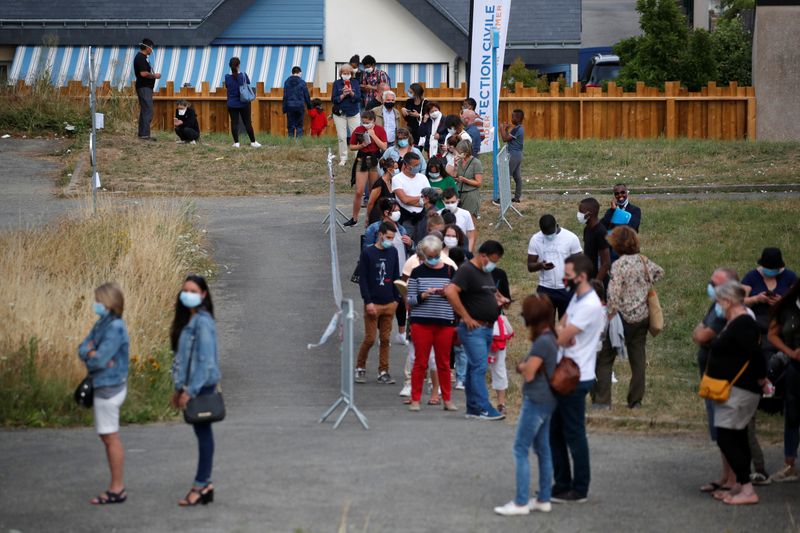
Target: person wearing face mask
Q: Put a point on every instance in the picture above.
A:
(430, 217)
(621, 209)
(547, 251)
(595, 245)
(413, 109)
(437, 178)
(371, 78)
(378, 270)
(476, 300)
(784, 334)
(105, 353)
(388, 116)
(735, 356)
(432, 130)
(195, 372)
(145, 82)
(369, 142)
(432, 320)
(578, 333)
(185, 121)
(455, 127)
(382, 188)
(346, 100)
(463, 217)
(468, 174)
(767, 284)
(402, 147)
(407, 187)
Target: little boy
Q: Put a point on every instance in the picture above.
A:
(318, 119)
(514, 137)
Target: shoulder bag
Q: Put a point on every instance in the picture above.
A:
(203, 407)
(653, 304)
(84, 394)
(718, 390)
(565, 377)
(246, 93)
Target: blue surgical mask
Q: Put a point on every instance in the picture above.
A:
(711, 292)
(386, 243)
(402, 143)
(395, 171)
(434, 175)
(770, 272)
(551, 237)
(99, 309)
(432, 261)
(719, 311)
(191, 299)
(491, 265)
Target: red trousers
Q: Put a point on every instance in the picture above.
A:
(440, 338)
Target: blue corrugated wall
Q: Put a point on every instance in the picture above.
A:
(278, 22)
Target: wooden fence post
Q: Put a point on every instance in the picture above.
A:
(671, 89)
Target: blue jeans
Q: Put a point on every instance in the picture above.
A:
(294, 119)
(205, 447)
(568, 437)
(461, 363)
(476, 344)
(533, 429)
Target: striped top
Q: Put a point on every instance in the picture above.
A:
(434, 309)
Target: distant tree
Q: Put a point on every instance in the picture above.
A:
(517, 72)
(731, 9)
(699, 64)
(733, 52)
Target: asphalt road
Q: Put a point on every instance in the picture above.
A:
(277, 469)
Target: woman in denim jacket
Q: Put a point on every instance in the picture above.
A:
(194, 336)
(105, 353)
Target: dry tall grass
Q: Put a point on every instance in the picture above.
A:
(49, 275)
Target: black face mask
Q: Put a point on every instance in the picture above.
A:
(389, 105)
(570, 284)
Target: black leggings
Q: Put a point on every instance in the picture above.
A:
(244, 113)
(734, 446)
(187, 134)
(401, 313)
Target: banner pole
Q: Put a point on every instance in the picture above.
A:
(93, 143)
(495, 118)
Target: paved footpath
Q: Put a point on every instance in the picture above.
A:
(278, 470)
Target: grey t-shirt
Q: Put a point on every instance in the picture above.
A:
(539, 390)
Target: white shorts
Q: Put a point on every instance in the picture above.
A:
(499, 373)
(106, 412)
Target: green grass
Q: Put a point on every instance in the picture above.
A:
(688, 239)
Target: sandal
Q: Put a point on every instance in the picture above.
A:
(205, 496)
(434, 401)
(109, 497)
(713, 486)
(406, 401)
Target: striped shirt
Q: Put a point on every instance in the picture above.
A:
(434, 309)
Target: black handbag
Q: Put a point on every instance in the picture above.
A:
(203, 407)
(84, 394)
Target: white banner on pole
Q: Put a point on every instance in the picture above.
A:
(487, 16)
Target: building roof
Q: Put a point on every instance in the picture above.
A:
(86, 10)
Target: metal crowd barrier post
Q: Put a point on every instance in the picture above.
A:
(333, 211)
(504, 182)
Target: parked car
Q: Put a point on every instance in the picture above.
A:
(602, 67)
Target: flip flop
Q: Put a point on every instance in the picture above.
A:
(406, 401)
(712, 486)
(109, 497)
(434, 401)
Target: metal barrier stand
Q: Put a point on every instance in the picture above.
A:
(504, 182)
(333, 209)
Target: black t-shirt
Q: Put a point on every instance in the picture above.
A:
(385, 192)
(477, 293)
(737, 344)
(594, 242)
(789, 328)
(501, 282)
(141, 64)
(413, 122)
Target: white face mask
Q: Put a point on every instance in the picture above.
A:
(451, 131)
(395, 216)
(451, 242)
(369, 70)
(436, 115)
(346, 77)
(181, 112)
(368, 125)
(451, 207)
(581, 218)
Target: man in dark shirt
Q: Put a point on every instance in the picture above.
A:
(378, 269)
(476, 300)
(145, 81)
(622, 202)
(594, 238)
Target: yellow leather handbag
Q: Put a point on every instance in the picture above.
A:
(718, 390)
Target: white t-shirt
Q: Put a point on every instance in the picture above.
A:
(556, 251)
(588, 315)
(463, 219)
(412, 187)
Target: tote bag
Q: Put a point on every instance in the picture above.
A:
(653, 304)
(246, 93)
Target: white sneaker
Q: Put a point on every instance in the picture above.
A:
(405, 392)
(542, 507)
(512, 509)
(193, 142)
(236, 145)
(255, 145)
(342, 162)
(400, 339)
(614, 378)
(459, 385)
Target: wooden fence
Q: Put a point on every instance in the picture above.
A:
(727, 113)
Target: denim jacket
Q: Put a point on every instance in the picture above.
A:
(198, 340)
(110, 342)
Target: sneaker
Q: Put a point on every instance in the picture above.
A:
(614, 378)
(570, 496)
(400, 339)
(255, 145)
(491, 414)
(385, 379)
(512, 509)
(472, 415)
(516, 200)
(361, 375)
(405, 392)
(351, 222)
(760, 478)
(501, 408)
(236, 145)
(496, 202)
(193, 142)
(787, 473)
(343, 162)
(459, 385)
(542, 507)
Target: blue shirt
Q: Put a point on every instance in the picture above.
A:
(232, 84)
(371, 235)
(755, 281)
(109, 339)
(198, 341)
(475, 134)
(377, 271)
(517, 137)
(351, 105)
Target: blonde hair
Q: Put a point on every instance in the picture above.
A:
(110, 295)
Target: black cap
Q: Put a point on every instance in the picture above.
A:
(771, 258)
(548, 224)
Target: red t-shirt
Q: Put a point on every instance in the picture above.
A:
(371, 148)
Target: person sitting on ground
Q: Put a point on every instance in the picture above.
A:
(368, 141)
(463, 217)
(186, 126)
(378, 270)
(538, 404)
(547, 251)
(382, 188)
(622, 203)
(407, 187)
(595, 245)
(439, 179)
(104, 351)
(736, 357)
(319, 119)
